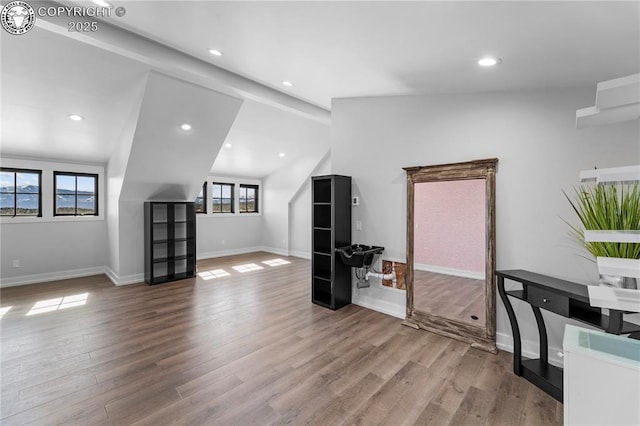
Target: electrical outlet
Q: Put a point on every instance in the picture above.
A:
(16, 263)
(355, 201)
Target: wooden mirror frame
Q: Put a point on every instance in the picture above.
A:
(482, 338)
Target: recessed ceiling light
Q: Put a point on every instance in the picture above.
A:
(287, 83)
(102, 3)
(76, 117)
(215, 52)
(281, 154)
(227, 145)
(489, 61)
(185, 126)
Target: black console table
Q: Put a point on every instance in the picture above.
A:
(565, 298)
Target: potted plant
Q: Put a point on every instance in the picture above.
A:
(610, 208)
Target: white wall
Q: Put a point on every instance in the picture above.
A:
(164, 162)
(224, 234)
(279, 189)
(227, 235)
(540, 153)
(51, 247)
(116, 169)
(300, 213)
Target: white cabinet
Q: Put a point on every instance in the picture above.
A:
(601, 378)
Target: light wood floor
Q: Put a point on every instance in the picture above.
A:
(247, 348)
(451, 297)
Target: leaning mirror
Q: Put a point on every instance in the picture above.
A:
(451, 250)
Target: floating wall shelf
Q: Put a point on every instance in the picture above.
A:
(614, 298)
(612, 236)
(617, 100)
(619, 267)
(612, 175)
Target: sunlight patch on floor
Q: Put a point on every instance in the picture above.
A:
(4, 310)
(247, 267)
(58, 303)
(216, 273)
(276, 262)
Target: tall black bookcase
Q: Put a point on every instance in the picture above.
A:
(331, 222)
(169, 241)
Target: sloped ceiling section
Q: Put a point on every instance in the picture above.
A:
(261, 133)
(166, 162)
(44, 78)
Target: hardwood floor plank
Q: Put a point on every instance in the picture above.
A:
(460, 378)
(434, 415)
(177, 412)
(133, 407)
(374, 410)
(474, 408)
(247, 348)
(539, 409)
(407, 410)
(342, 406)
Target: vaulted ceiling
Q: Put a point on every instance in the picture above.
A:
(326, 49)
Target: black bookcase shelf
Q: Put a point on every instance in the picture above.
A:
(331, 222)
(169, 241)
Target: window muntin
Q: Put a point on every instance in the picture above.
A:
(20, 192)
(222, 197)
(248, 198)
(75, 194)
(201, 200)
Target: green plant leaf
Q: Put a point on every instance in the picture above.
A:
(606, 208)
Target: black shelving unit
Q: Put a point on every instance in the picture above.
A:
(169, 241)
(331, 222)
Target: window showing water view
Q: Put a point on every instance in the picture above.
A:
(248, 198)
(201, 200)
(222, 197)
(20, 192)
(75, 194)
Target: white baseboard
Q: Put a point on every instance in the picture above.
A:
(300, 254)
(124, 280)
(223, 253)
(529, 348)
(50, 276)
(273, 250)
(379, 306)
(449, 271)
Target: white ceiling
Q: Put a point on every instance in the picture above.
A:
(334, 49)
(45, 77)
(327, 49)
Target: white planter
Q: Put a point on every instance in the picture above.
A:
(612, 175)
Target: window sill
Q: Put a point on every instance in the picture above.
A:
(227, 215)
(50, 219)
